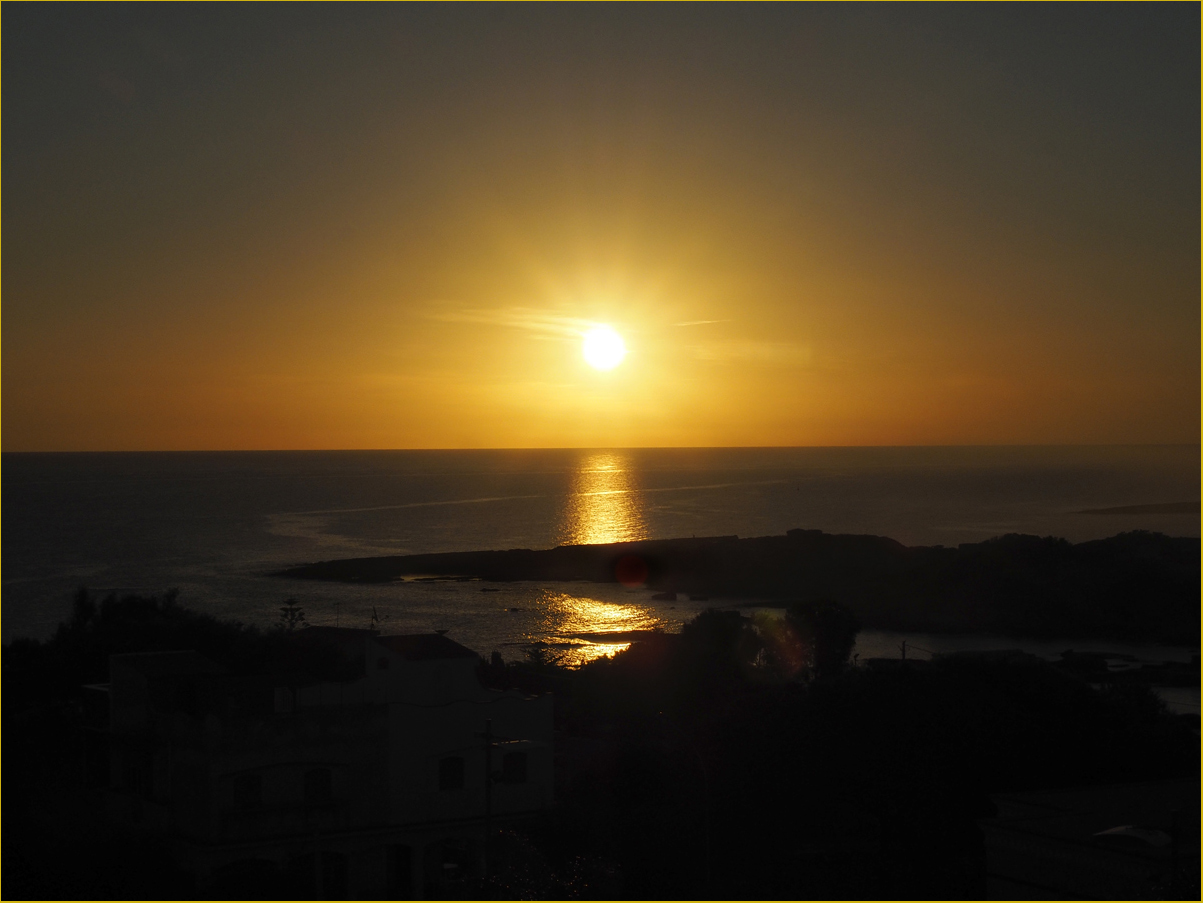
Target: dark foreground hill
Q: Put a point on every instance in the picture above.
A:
(1134, 586)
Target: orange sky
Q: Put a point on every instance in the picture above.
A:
(381, 227)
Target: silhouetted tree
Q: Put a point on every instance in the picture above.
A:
(292, 615)
(541, 658)
(494, 672)
(827, 630)
(784, 655)
(717, 650)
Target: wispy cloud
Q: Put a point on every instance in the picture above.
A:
(540, 323)
(700, 322)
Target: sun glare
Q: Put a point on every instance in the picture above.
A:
(604, 348)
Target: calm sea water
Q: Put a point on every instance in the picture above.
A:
(213, 525)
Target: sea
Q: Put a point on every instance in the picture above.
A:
(214, 526)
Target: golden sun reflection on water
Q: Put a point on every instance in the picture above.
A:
(605, 504)
(578, 626)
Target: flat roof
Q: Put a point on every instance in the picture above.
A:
(425, 646)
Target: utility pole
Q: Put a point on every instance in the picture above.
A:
(491, 742)
(488, 790)
(1175, 861)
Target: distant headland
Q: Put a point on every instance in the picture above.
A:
(1165, 508)
(1136, 586)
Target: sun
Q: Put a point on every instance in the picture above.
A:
(604, 348)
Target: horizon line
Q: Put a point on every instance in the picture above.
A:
(549, 448)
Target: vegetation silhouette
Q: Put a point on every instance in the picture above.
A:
(750, 758)
(292, 615)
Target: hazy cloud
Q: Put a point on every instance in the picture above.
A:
(539, 323)
(763, 352)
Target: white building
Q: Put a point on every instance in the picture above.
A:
(378, 784)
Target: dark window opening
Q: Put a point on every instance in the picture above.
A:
(400, 872)
(513, 768)
(451, 773)
(446, 866)
(319, 786)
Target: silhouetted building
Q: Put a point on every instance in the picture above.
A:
(286, 787)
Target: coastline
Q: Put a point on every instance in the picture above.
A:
(1134, 586)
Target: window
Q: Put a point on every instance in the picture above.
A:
(451, 773)
(318, 786)
(400, 872)
(248, 791)
(513, 768)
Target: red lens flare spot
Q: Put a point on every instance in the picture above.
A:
(631, 570)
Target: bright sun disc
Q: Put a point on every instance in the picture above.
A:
(604, 348)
